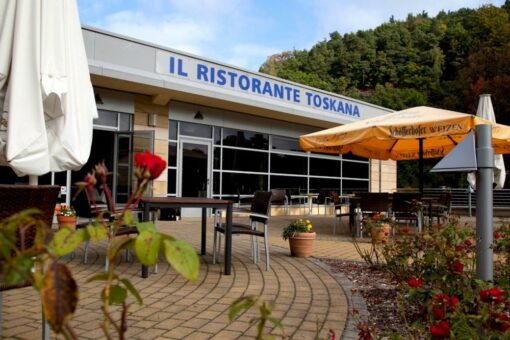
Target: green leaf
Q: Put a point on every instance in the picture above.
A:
(241, 303)
(276, 322)
(127, 218)
(147, 247)
(59, 296)
(117, 294)
(66, 241)
(183, 258)
(101, 277)
(19, 270)
(132, 290)
(146, 226)
(96, 232)
(118, 244)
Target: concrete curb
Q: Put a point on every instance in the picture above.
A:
(354, 301)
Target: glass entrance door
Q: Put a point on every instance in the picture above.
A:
(195, 168)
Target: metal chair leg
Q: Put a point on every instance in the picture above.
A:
(266, 244)
(86, 252)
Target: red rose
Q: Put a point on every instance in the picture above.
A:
(493, 294)
(406, 230)
(497, 235)
(457, 267)
(151, 165)
(438, 313)
(453, 301)
(415, 282)
(441, 330)
(500, 321)
(459, 248)
(468, 243)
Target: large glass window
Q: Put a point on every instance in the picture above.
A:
(296, 184)
(352, 186)
(324, 167)
(354, 169)
(245, 139)
(324, 184)
(195, 130)
(243, 184)
(243, 160)
(242, 163)
(288, 164)
(172, 180)
(287, 144)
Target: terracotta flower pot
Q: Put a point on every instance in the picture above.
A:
(67, 221)
(380, 233)
(301, 244)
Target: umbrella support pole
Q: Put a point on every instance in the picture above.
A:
(484, 203)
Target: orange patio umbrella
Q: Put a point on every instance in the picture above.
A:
(415, 133)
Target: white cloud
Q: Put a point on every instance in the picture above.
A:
(249, 55)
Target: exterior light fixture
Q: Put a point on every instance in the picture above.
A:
(151, 119)
(198, 116)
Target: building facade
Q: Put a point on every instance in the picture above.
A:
(224, 131)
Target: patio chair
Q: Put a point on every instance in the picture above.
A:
(258, 213)
(323, 198)
(279, 197)
(15, 198)
(441, 208)
(339, 210)
(370, 203)
(84, 209)
(402, 208)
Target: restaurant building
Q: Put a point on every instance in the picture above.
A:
(224, 130)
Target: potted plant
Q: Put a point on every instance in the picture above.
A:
(300, 236)
(66, 217)
(379, 226)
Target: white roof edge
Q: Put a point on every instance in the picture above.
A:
(161, 47)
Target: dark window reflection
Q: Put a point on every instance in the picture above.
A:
(353, 157)
(195, 130)
(244, 160)
(294, 184)
(244, 184)
(245, 139)
(324, 167)
(349, 186)
(216, 183)
(125, 122)
(172, 180)
(289, 164)
(324, 184)
(354, 170)
(217, 135)
(286, 144)
(217, 158)
(172, 130)
(172, 154)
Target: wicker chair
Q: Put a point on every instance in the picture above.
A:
(15, 198)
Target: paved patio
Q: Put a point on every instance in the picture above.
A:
(306, 295)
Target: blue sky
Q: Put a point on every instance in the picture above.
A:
(245, 32)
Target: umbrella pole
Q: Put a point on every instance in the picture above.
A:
(33, 179)
(420, 164)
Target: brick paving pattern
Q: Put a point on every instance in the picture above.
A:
(306, 295)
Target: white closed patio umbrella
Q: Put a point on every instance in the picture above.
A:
(486, 111)
(49, 103)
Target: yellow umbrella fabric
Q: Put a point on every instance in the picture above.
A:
(396, 135)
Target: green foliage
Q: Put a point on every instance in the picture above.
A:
(265, 314)
(297, 226)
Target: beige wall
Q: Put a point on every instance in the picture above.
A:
(388, 175)
(143, 108)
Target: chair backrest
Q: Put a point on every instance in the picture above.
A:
(261, 204)
(336, 198)
(15, 198)
(278, 196)
(401, 201)
(82, 206)
(374, 201)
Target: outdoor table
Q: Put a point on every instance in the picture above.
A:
(309, 198)
(149, 203)
(428, 200)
